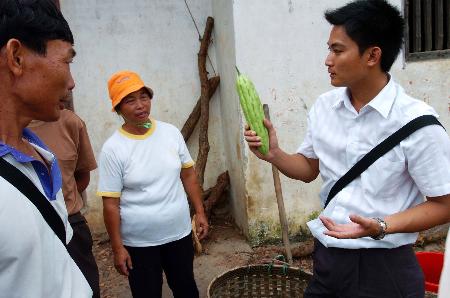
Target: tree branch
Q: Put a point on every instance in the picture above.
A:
(193, 118)
(204, 102)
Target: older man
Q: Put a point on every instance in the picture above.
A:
(35, 53)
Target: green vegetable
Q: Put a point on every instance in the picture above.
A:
(253, 109)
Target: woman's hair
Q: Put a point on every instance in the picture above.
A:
(371, 23)
(32, 22)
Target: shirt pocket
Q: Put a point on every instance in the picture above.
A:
(384, 178)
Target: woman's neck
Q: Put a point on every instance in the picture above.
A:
(136, 128)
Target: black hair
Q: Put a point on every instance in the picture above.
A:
(33, 22)
(371, 23)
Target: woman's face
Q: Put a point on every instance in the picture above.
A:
(135, 107)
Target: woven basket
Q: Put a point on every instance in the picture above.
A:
(260, 281)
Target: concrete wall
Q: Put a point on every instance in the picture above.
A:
(158, 40)
(281, 45)
(233, 142)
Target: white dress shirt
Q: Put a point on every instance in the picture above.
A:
(339, 136)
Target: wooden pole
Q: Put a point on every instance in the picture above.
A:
(280, 202)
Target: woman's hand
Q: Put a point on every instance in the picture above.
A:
(254, 141)
(122, 261)
(192, 188)
(202, 226)
(358, 228)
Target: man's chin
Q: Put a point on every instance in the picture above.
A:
(335, 83)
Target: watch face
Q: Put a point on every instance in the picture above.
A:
(383, 227)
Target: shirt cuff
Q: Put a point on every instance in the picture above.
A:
(188, 164)
(111, 194)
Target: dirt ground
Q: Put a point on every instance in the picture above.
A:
(225, 248)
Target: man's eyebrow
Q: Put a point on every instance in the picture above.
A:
(335, 44)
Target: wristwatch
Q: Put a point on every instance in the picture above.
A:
(383, 228)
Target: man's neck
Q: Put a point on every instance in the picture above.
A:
(367, 89)
(11, 125)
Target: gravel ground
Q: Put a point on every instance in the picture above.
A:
(225, 248)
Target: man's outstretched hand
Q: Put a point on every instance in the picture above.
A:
(358, 228)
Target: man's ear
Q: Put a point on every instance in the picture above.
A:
(374, 56)
(15, 54)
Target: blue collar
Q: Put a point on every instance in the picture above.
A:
(51, 183)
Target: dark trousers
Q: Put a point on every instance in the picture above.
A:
(80, 249)
(376, 272)
(175, 258)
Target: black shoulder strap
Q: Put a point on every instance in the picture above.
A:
(16, 178)
(381, 149)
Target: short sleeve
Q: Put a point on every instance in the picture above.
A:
(428, 157)
(86, 159)
(183, 152)
(110, 182)
(307, 148)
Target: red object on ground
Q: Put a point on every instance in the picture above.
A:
(431, 263)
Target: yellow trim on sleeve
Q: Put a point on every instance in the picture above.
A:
(188, 165)
(109, 194)
(139, 137)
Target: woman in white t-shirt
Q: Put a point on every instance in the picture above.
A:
(145, 171)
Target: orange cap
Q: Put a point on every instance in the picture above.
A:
(123, 83)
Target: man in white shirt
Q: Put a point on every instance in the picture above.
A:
(364, 236)
(35, 53)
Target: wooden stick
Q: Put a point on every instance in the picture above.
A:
(193, 118)
(280, 202)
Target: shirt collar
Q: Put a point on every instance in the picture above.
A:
(385, 99)
(342, 96)
(19, 156)
(382, 102)
(51, 183)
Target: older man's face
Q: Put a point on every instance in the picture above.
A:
(48, 80)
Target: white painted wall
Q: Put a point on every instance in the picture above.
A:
(158, 40)
(233, 142)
